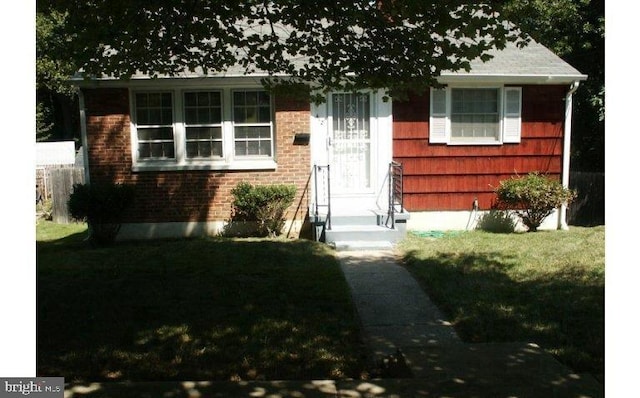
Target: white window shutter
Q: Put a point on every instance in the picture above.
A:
(438, 116)
(512, 123)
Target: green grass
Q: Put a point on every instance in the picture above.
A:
(545, 287)
(51, 232)
(196, 309)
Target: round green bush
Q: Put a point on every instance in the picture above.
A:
(100, 205)
(533, 197)
(263, 204)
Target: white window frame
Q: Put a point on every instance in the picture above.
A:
(497, 114)
(252, 124)
(440, 123)
(203, 125)
(134, 113)
(228, 161)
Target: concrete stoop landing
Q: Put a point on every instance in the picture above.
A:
(365, 230)
(401, 324)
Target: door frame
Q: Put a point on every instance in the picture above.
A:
(381, 124)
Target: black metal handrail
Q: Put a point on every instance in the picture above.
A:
(396, 199)
(318, 169)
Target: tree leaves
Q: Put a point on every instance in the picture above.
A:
(398, 46)
(573, 29)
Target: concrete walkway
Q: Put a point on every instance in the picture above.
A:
(401, 324)
(394, 310)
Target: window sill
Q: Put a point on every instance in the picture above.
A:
(474, 142)
(267, 164)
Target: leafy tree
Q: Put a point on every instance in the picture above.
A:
(53, 69)
(573, 29)
(56, 108)
(399, 45)
(43, 122)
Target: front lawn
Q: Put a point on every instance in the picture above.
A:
(196, 309)
(545, 287)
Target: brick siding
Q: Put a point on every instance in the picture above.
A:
(197, 195)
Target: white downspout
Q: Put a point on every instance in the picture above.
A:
(83, 135)
(566, 152)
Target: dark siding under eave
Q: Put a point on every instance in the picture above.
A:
(442, 177)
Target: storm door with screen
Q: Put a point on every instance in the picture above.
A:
(350, 143)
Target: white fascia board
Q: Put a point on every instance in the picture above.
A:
(234, 79)
(217, 80)
(508, 79)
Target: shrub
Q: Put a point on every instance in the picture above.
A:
(44, 209)
(498, 221)
(263, 204)
(533, 197)
(101, 206)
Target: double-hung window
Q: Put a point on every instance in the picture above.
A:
(154, 127)
(203, 124)
(252, 123)
(475, 115)
(217, 129)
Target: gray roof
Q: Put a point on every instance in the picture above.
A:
(533, 63)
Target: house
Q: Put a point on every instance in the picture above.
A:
(428, 162)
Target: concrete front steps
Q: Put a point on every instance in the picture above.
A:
(365, 230)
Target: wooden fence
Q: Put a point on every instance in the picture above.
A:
(61, 183)
(588, 208)
(43, 179)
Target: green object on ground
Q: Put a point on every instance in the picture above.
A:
(434, 234)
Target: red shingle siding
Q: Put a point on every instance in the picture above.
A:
(442, 177)
(178, 196)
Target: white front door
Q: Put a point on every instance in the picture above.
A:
(351, 132)
(350, 143)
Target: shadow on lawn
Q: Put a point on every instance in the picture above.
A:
(562, 311)
(201, 309)
(399, 388)
(78, 240)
